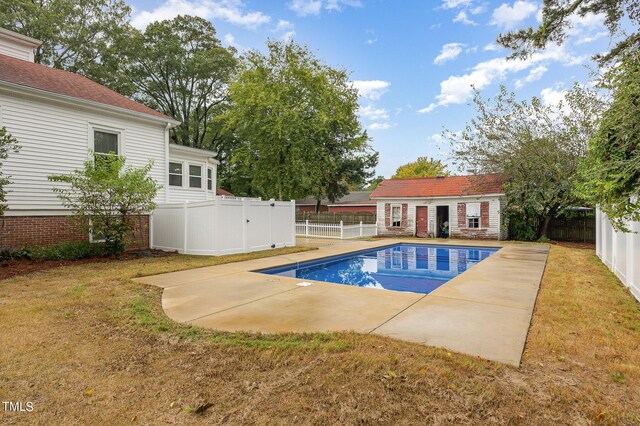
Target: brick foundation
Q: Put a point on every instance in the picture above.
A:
(24, 231)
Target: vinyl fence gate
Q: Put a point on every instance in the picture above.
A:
(225, 225)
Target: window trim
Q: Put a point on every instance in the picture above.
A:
(189, 175)
(95, 127)
(210, 179)
(391, 221)
(169, 174)
(475, 220)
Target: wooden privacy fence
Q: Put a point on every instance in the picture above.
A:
(346, 218)
(580, 229)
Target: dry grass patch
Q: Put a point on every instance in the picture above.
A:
(88, 345)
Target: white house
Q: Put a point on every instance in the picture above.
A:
(58, 118)
(471, 206)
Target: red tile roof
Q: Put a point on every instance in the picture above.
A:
(220, 191)
(53, 80)
(451, 186)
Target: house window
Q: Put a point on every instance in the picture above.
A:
(175, 174)
(105, 143)
(195, 176)
(473, 215)
(396, 215)
(209, 179)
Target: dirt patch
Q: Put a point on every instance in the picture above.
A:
(569, 244)
(85, 344)
(12, 268)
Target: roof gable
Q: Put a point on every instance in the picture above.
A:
(36, 76)
(451, 186)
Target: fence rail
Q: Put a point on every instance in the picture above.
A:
(335, 218)
(331, 230)
(581, 229)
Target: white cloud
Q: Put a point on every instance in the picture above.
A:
(379, 126)
(534, 75)
(284, 25)
(452, 4)
(371, 89)
(231, 11)
(286, 28)
(552, 96)
(592, 38)
(508, 17)
(463, 18)
(371, 41)
(230, 40)
(370, 112)
(449, 52)
(491, 47)
(314, 7)
(458, 89)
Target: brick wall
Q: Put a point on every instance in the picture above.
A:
(477, 233)
(405, 227)
(23, 231)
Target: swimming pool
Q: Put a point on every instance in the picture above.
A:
(416, 268)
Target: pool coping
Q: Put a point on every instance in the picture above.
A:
(485, 311)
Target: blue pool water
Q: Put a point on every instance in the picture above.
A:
(402, 267)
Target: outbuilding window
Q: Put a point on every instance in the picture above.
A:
(396, 215)
(209, 179)
(473, 215)
(175, 174)
(195, 176)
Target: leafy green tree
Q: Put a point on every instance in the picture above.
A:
(179, 67)
(80, 36)
(556, 21)
(612, 166)
(296, 118)
(537, 148)
(8, 144)
(422, 167)
(106, 197)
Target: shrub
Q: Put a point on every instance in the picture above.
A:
(62, 251)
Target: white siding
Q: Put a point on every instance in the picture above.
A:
(493, 231)
(54, 139)
(16, 51)
(184, 193)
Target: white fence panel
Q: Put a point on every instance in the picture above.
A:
(224, 225)
(171, 221)
(339, 230)
(620, 251)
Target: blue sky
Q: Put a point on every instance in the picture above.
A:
(413, 61)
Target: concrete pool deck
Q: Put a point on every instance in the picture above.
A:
(485, 311)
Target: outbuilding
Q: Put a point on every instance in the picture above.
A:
(454, 206)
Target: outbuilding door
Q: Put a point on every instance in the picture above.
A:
(422, 221)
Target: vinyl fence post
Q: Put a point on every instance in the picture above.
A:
(306, 228)
(186, 227)
(341, 231)
(360, 229)
(293, 225)
(245, 226)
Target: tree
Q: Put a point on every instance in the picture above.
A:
(612, 166)
(80, 36)
(422, 167)
(8, 144)
(537, 147)
(556, 20)
(179, 67)
(106, 198)
(296, 118)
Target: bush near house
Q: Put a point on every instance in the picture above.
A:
(64, 251)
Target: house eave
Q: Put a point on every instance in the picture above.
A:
(32, 91)
(437, 197)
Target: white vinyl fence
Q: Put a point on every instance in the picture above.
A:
(620, 251)
(335, 230)
(225, 225)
